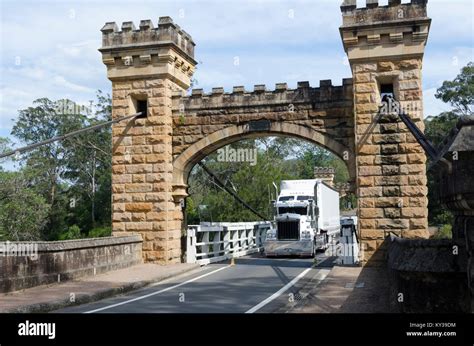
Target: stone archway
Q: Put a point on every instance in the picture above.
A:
(183, 164)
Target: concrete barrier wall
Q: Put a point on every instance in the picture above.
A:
(430, 274)
(28, 264)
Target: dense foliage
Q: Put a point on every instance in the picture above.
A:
(56, 190)
(459, 93)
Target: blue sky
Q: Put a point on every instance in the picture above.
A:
(49, 48)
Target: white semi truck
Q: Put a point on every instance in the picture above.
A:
(306, 218)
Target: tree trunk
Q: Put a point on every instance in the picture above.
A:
(93, 192)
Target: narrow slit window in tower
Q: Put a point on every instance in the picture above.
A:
(386, 90)
(142, 106)
(139, 104)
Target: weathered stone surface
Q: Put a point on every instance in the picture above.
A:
(391, 191)
(410, 64)
(392, 223)
(138, 187)
(392, 213)
(420, 266)
(369, 150)
(71, 259)
(388, 180)
(370, 170)
(133, 207)
(416, 158)
(366, 181)
(371, 213)
(365, 160)
(386, 66)
(366, 202)
(367, 224)
(372, 234)
(370, 192)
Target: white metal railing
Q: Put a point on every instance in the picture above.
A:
(214, 242)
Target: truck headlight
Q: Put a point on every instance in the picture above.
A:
(306, 235)
(271, 235)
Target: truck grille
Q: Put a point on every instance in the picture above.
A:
(288, 230)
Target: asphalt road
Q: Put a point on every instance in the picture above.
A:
(254, 284)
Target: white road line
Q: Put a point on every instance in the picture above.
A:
(322, 274)
(157, 292)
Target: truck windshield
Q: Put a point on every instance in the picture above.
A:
(286, 198)
(303, 198)
(292, 210)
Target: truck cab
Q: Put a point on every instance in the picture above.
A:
(302, 222)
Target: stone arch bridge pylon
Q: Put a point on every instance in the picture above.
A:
(151, 69)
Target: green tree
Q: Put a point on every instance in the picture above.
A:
(460, 91)
(38, 123)
(23, 213)
(4, 147)
(4, 144)
(437, 128)
(73, 232)
(45, 164)
(88, 166)
(72, 175)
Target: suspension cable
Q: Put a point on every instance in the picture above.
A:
(106, 123)
(232, 193)
(67, 135)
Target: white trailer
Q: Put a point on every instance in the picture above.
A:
(306, 218)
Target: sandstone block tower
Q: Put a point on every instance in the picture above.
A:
(146, 66)
(385, 46)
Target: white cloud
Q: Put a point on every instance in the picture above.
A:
(431, 105)
(11, 100)
(29, 72)
(452, 21)
(62, 82)
(276, 41)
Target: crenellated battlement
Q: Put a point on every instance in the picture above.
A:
(146, 35)
(148, 52)
(383, 30)
(374, 13)
(260, 96)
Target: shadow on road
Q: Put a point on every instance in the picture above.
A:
(287, 261)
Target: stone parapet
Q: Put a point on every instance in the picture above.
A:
(260, 96)
(59, 261)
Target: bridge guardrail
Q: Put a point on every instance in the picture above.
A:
(214, 242)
